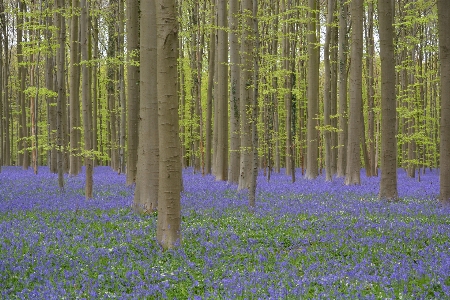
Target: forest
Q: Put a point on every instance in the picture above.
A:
(213, 149)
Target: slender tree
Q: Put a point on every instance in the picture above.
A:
(74, 83)
(233, 169)
(343, 126)
(388, 181)
(444, 51)
(209, 94)
(132, 88)
(354, 132)
(313, 94)
(246, 95)
(222, 101)
(169, 208)
(87, 106)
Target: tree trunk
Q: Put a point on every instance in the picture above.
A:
(209, 94)
(95, 71)
(388, 181)
(222, 107)
(121, 88)
(169, 208)
(327, 93)
(60, 85)
(246, 95)
(343, 126)
(371, 89)
(132, 89)
(252, 189)
(235, 143)
(87, 106)
(74, 82)
(147, 177)
(354, 130)
(312, 170)
(444, 51)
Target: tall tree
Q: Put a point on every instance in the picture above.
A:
(209, 93)
(444, 51)
(60, 85)
(132, 88)
(222, 101)
(169, 208)
(354, 130)
(121, 87)
(87, 106)
(233, 170)
(23, 156)
(312, 170)
(74, 86)
(147, 176)
(343, 126)
(246, 95)
(327, 92)
(388, 181)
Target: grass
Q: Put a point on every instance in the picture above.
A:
(331, 241)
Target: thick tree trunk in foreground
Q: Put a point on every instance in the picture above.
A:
(147, 178)
(388, 181)
(132, 88)
(444, 51)
(169, 208)
(354, 131)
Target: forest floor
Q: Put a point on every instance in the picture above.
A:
(307, 240)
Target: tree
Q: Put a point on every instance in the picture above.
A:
(327, 92)
(343, 126)
(132, 88)
(87, 106)
(313, 94)
(233, 170)
(246, 96)
(74, 87)
(60, 85)
(222, 101)
(354, 131)
(147, 177)
(388, 181)
(444, 51)
(169, 208)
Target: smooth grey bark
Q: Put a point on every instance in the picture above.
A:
(353, 173)
(86, 101)
(121, 88)
(169, 207)
(222, 85)
(343, 126)
(444, 51)
(235, 143)
(132, 88)
(147, 177)
(74, 86)
(246, 96)
(312, 170)
(388, 181)
(209, 95)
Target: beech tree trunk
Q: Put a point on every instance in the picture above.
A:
(235, 143)
(312, 170)
(354, 131)
(169, 208)
(132, 89)
(343, 126)
(444, 51)
(246, 96)
(74, 82)
(222, 101)
(147, 177)
(388, 181)
(209, 94)
(87, 106)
